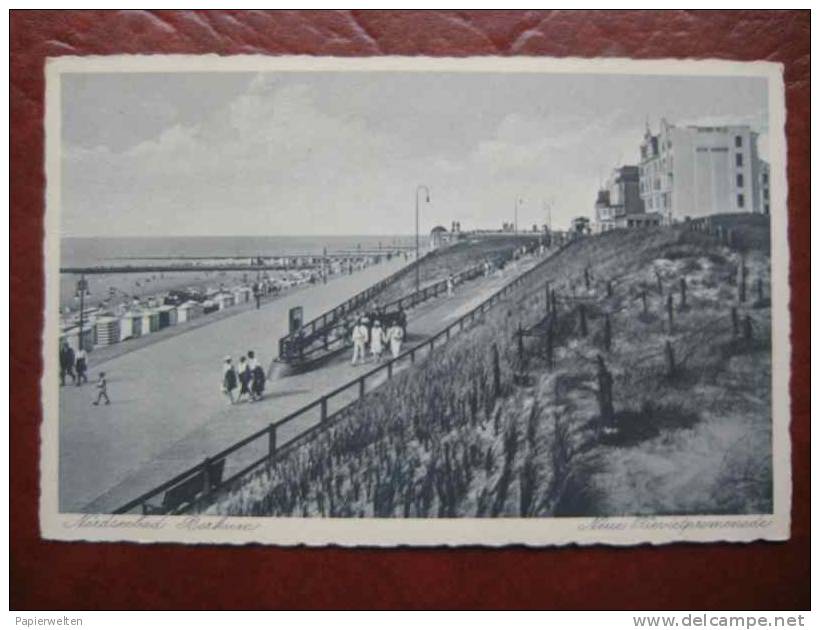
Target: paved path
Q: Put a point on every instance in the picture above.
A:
(162, 391)
(168, 413)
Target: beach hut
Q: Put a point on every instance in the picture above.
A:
(71, 335)
(209, 306)
(150, 321)
(130, 325)
(224, 300)
(108, 330)
(167, 315)
(189, 310)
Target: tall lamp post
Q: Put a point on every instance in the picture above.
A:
(426, 190)
(518, 201)
(82, 287)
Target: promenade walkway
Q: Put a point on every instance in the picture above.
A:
(168, 413)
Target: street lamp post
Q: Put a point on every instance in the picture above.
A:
(82, 285)
(518, 200)
(426, 190)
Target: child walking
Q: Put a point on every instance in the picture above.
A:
(102, 390)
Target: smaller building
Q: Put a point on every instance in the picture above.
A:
(188, 311)
(438, 236)
(71, 335)
(107, 330)
(130, 325)
(167, 315)
(150, 321)
(620, 197)
(224, 300)
(580, 226)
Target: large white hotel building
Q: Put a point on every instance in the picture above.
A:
(699, 171)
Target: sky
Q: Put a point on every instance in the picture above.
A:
(222, 154)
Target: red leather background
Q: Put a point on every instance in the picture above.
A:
(49, 575)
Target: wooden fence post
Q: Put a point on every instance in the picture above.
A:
(496, 372)
(660, 282)
(554, 302)
(670, 308)
(670, 360)
(586, 277)
(643, 300)
(742, 285)
(547, 297)
(747, 328)
(323, 409)
(520, 334)
(735, 323)
(605, 394)
(582, 317)
(389, 369)
(271, 442)
(683, 293)
(207, 480)
(609, 288)
(361, 387)
(607, 333)
(550, 343)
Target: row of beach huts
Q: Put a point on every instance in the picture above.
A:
(104, 327)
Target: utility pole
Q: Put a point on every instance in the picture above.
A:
(419, 188)
(81, 288)
(517, 201)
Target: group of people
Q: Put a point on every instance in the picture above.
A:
(245, 381)
(75, 365)
(377, 338)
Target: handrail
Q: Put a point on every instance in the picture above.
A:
(412, 299)
(325, 420)
(362, 295)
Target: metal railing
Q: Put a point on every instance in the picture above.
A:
(199, 483)
(336, 335)
(358, 300)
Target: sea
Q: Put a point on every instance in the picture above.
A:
(113, 251)
(93, 251)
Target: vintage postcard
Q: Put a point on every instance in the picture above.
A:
(415, 301)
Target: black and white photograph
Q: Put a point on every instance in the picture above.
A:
(415, 301)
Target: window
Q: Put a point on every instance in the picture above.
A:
(738, 159)
(740, 180)
(765, 178)
(738, 141)
(766, 208)
(740, 201)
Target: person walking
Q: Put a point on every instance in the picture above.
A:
(66, 363)
(450, 286)
(395, 335)
(229, 380)
(359, 341)
(257, 377)
(377, 339)
(257, 294)
(244, 375)
(102, 390)
(81, 366)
